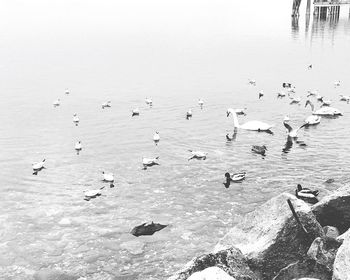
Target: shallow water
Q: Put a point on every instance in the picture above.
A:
(175, 52)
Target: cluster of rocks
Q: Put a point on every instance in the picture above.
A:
(269, 243)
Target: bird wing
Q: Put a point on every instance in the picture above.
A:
(288, 127)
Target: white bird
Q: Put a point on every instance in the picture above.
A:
(156, 137)
(286, 118)
(251, 82)
(293, 132)
(66, 91)
(200, 103)
(147, 162)
(325, 102)
(198, 155)
(108, 177)
(106, 104)
(189, 114)
(57, 102)
(337, 84)
(38, 165)
(92, 194)
(313, 119)
(324, 111)
(251, 125)
(149, 101)
(345, 98)
(76, 119)
(78, 147)
(135, 112)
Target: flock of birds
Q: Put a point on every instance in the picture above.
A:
(325, 110)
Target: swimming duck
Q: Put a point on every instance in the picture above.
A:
(345, 98)
(281, 94)
(250, 125)
(200, 103)
(148, 162)
(261, 150)
(156, 137)
(78, 147)
(189, 114)
(306, 194)
(324, 111)
(135, 112)
(293, 132)
(38, 166)
(149, 101)
(90, 194)
(198, 155)
(261, 94)
(309, 67)
(236, 177)
(57, 102)
(76, 119)
(106, 104)
(251, 82)
(337, 83)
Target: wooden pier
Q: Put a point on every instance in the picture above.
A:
(321, 7)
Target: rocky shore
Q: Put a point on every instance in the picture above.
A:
(269, 243)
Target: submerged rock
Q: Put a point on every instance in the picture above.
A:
(147, 229)
(271, 238)
(211, 273)
(334, 209)
(230, 261)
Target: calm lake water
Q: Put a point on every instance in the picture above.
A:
(176, 52)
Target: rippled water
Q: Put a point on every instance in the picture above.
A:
(176, 52)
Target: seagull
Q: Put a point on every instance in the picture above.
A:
(198, 155)
(200, 103)
(345, 98)
(251, 82)
(90, 194)
(106, 104)
(293, 133)
(189, 114)
(135, 112)
(281, 94)
(149, 101)
(76, 119)
(57, 102)
(38, 166)
(148, 162)
(109, 178)
(78, 147)
(156, 137)
(261, 94)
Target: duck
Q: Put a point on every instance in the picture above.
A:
(281, 94)
(324, 111)
(261, 150)
(148, 162)
(200, 103)
(293, 133)
(135, 112)
(261, 94)
(57, 102)
(309, 67)
(149, 101)
(306, 194)
(198, 155)
(156, 137)
(76, 119)
(345, 98)
(90, 194)
(38, 166)
(250, 125)
(66, 91)
(235, 177)
(106, 104)
(295, 100)
(78, 147)
(252, 82)
(337, 83)
(189, 114)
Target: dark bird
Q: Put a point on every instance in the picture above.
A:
(309, 67)
(306, 194)
(147, 229)
(286, 85)
(235, 178)
(228, 138)
(261, 94)
(261, 150)
(189, 114)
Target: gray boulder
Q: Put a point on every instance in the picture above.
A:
(271, 238)
(341, 267)
(230, 261)
(334, 209)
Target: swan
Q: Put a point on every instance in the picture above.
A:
(261, 94)
(293, 133)
(106, 104)
(325, 102)
(135, 112)
(306, 194)
(251, 82)
(78, 146)
(198, 155)
(92, 194)
(149, 101)
(345, 98)
(261, 150)
(147, 162)
(251, 125)
(57, 102)
(76, 119)
(324, 111)
(236, 177)
(189, 114)
(200, 103)
(156, 137)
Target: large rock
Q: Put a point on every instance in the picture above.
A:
(271, 238)
(211, 273)
(334, 209)
(341, 267)
(230, 260)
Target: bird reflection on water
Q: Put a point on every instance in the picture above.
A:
(289, 144)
